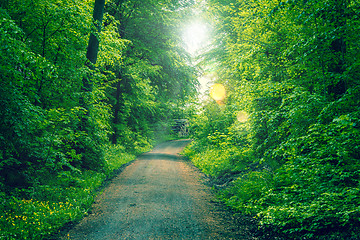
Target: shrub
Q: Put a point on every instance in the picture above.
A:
(40, 211)
(245, 192)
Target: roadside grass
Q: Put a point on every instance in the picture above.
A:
(319, 209)
(164, 133)
(216, 162)
(42, 210)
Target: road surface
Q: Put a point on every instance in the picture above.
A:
(160, 196)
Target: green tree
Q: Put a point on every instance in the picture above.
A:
(293, 67)
(43, 70)
(93, 46)
(156, 73)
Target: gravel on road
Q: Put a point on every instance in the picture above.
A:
(160, 195)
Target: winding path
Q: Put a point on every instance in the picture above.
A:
(159, 196)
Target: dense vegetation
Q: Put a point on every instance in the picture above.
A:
(67, 124)
(284, 144)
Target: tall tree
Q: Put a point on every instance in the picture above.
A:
(294, 67)
(156, 70)
(93, 46)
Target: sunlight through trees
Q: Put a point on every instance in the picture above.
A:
(283, 146)
(278, 132)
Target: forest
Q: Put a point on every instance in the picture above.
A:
(87, 85)
(283, 145)
(71, 113)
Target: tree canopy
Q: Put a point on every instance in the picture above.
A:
(142, 72)
(292, 69)
(282, 145)
(61, 106)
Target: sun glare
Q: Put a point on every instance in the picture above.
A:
(218, 93)
(242, 116)
(195, 36)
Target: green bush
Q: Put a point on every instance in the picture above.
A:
(244, 193)
(215, 161)
(41, 210)
(298, 164)
(115, 157)
(317, 189)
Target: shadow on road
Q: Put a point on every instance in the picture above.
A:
(160, 156)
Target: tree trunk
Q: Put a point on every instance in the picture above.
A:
(338, 48)
(116, 113)
(91, 54)
(93, 46)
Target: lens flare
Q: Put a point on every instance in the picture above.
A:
(217, 92)
(242, 116)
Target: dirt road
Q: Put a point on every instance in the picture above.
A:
(159, 196)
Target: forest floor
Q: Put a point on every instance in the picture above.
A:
(160, 195)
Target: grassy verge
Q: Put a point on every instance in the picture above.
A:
(41, 211)
(283, 205)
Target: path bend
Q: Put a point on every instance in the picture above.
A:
(158, 196)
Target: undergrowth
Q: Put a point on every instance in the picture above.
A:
(298, 179)
(43, 209)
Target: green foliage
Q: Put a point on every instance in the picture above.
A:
(115, 157)
(54, 132)
(316, 190)
(155, 73)
(219, 140)
(31, 219)
(217, 162)
(42, 127)
(245, 192)
(293, 67)
(40, 211)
